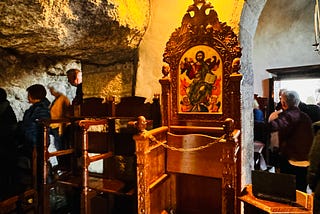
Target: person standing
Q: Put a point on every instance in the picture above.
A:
(8, 124)
(313, 175)
(295, 138)
(75, 79)
(279, 105)
(59, 109)
(258, 114)
(30, 132)
(312, 110)
(39, 109)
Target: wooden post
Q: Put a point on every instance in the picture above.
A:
(166, 100)
(142, 143)
(235, 79)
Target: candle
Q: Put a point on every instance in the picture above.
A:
(316, 22)
(318, 18)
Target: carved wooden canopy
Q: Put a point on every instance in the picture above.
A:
(202, 59)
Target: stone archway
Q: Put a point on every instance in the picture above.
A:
(248, 24)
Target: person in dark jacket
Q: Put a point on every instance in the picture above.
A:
(313, 176)
(30, 131)
(295, 138)
(8, 124)
(312, 110)
(8, 119)
(39, 109)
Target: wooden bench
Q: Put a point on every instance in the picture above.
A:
(91, 144)
(254, 205)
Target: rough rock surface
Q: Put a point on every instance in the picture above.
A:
(93, 31)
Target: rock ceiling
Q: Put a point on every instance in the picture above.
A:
(93, 31)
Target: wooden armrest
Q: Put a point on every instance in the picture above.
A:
(47, 122)
(95, 183)
(9, 204)
(61, 152)
(304, 199)
(100, 156)
(92, 122)
(70, 180)
(106, 185)
(130, 192)
(160, 180)
(197, 129)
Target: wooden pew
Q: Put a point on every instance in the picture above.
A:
(90, 145)
(67, 170)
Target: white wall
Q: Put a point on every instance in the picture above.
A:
(284, 38)
(165, 17)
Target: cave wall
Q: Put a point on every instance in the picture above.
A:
(40, 40)
(109, 81)
(94, 31)
(18, 72)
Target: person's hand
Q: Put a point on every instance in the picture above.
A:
(274, 115)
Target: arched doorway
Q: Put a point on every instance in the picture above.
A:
(248, 24)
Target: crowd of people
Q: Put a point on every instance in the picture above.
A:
(19, 138)
(294, 141)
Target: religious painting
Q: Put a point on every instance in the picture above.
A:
(201, 78)
(200, 81)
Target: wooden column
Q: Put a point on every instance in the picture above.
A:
(235, 79)
(166, 100)
(143, 195)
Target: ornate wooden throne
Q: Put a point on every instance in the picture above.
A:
(190, 164)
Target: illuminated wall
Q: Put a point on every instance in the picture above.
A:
(166, 16)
